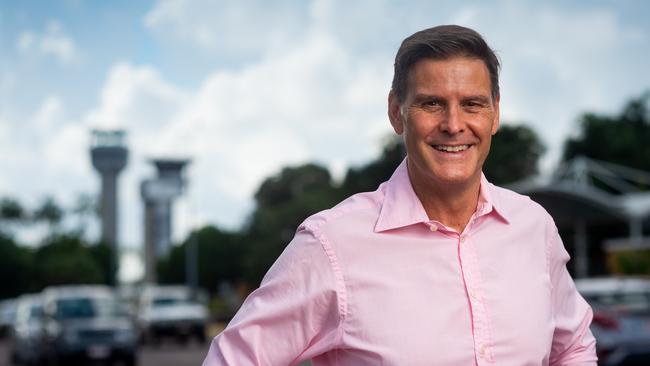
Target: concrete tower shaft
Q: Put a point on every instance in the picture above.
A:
(158, 195)
(109, 156)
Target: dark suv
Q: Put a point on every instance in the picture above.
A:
(86, 323)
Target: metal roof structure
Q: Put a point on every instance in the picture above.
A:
(586, 191)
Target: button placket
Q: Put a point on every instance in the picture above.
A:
(472, 277)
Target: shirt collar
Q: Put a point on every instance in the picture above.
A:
(402, 207)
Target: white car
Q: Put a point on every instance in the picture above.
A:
(621, 321)
(27, 331)
(170, 311)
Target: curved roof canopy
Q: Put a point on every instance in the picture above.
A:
(592, 191)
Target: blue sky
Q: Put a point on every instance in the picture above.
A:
(246, 87)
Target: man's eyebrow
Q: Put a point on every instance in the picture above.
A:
(477, 98)
(427, 97)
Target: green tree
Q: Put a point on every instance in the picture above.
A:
(220, 256)
(16, 268)
(621, 139)
(12, 215)
(283, 202)
(50, 213)
(65, 259)
(85, 208)
(369, 176)
(11, 210)
(103, 256)
(514, 154)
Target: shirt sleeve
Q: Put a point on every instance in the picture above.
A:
(573, 343)
(293, 315)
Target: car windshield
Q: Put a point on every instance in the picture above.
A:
(627, 301)
(169, 301)
(84, 307)
(36, 311)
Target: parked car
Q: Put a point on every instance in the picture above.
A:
(86, 323)
(170, 311)
(27, 331)
(621, 321)
(7, 315)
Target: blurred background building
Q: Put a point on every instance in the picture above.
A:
(585, 194)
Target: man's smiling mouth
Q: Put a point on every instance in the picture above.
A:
(450, 148)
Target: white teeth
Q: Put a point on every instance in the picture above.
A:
(456, 148)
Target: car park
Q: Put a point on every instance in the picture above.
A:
(171, 312)
(621, 323)
(84, 324)
(27, 331)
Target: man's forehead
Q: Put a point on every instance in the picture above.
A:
(428, 75)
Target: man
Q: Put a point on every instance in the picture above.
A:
(436, 267)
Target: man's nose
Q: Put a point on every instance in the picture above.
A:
(453, 122)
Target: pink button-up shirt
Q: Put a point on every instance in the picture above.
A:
(374, 281)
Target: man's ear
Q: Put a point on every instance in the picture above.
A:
(394, 113)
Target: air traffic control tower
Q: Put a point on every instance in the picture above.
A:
(109, 156)
(158, 195)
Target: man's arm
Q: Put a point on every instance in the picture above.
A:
(292, 316)
(573, 343)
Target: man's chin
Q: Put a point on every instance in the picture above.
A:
(455, 179)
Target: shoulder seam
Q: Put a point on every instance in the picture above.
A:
(338, 274)
(549, 230)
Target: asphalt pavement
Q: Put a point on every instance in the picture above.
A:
(167, 354)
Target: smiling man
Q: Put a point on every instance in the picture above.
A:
(435, 267)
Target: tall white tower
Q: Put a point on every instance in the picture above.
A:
(109, 156)
(158, 195)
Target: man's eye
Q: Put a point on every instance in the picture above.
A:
(431, 103)
(474, 104)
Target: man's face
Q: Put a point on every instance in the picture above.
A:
(447, 119)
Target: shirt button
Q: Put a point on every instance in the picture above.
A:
(482, 349)
(472, 294)
(433, 228)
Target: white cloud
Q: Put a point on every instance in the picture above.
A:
(228, 27)
(53, 42)
(135, 97)
(48, 115)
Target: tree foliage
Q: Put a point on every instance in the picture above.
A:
(66, 259)
(11, 209)
(514, 154)
(16, 268)
(283, 202)
(368, 177)
(621, 139)
(219, 258)
(49, 211)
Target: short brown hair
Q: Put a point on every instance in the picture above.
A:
(440, 43)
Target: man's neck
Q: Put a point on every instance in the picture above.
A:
(453, 205)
